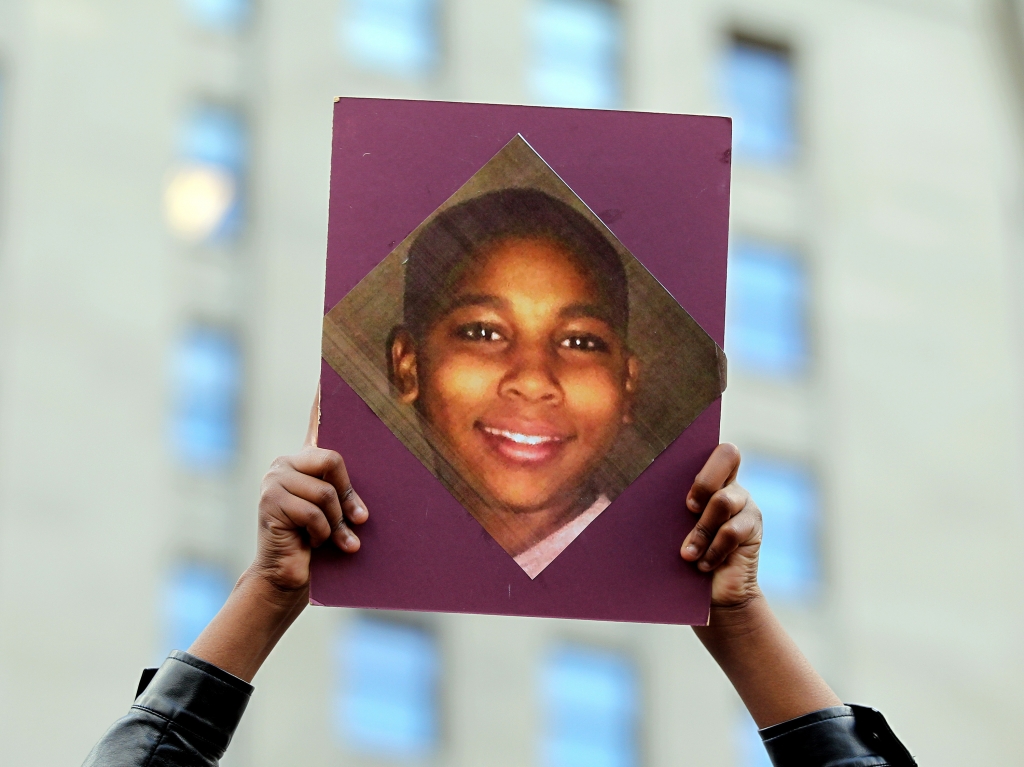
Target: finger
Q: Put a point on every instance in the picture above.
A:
(345, 539)
(325, 496)
(330, 466)
(352, 505)
(333, 526)
(307, 516)
(725, 504)
(718, 472)
(322, 464)
(314, 421)
(316, 491)
(742, 528)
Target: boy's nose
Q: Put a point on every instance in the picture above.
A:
(532, 377)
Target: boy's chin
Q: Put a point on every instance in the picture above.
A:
(532, 503)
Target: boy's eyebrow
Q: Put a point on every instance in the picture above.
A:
(572, 311)
(476, 299)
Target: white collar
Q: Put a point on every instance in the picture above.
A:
(543, 553)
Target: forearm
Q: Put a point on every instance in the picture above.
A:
(189, 710)
(771, 675)
(248, 626)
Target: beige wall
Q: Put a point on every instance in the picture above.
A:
(85, 314)
(904, 202)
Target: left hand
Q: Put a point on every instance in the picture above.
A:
(306, 500)
(727, 537)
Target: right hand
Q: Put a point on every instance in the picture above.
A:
(306, 499)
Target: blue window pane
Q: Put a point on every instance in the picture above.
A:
(749, 746)
(399, 37)
(386, 701)
(577, 53)
(193, 594)
(204, 199)
(221, 15)
(766, 321)
(214, 135)
(758, 85)
(787, 495)
(591, 707)
(207, 373)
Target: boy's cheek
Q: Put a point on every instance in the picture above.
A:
(458, 379)
(598, 407)
(596, 392)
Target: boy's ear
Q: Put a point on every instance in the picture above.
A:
(402, 365)
(631, 384)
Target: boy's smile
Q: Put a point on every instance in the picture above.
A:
(524, 442)
(524, 378)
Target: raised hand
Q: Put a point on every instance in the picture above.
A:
(727, 537)
(306, 499)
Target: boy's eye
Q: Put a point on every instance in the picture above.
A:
(478, 331)
(585, 343)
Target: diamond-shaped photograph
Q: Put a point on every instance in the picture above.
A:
(524, 355)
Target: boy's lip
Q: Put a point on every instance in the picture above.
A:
(523, 442)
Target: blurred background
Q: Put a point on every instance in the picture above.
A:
(164, 172)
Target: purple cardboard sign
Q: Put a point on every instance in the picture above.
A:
(660, 184)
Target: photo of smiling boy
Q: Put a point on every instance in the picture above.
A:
(514, 352)
(523, 354)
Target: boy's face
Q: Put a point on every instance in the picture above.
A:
(523, 377)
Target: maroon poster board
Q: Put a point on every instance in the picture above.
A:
(661, 183)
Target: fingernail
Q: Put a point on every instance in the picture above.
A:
(692, 503)
(692, 550)
(705, 565)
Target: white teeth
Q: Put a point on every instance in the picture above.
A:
(522, 439)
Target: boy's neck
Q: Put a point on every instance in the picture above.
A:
(517, 531)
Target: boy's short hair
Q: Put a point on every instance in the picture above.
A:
(445, 248)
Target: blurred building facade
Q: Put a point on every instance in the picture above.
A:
(163, 203)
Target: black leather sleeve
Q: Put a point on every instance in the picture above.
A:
(843, 736)
(184, 716)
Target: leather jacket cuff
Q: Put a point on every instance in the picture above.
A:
(841, 736)
(195, 695)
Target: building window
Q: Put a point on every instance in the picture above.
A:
(219, 15)
(207, 378)
(203, 201)
(591, 709)
(758, 89)
(576, 53)
(193, 594)
(387, 695)
(766, 318)
(787, 495)
(397, 37)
